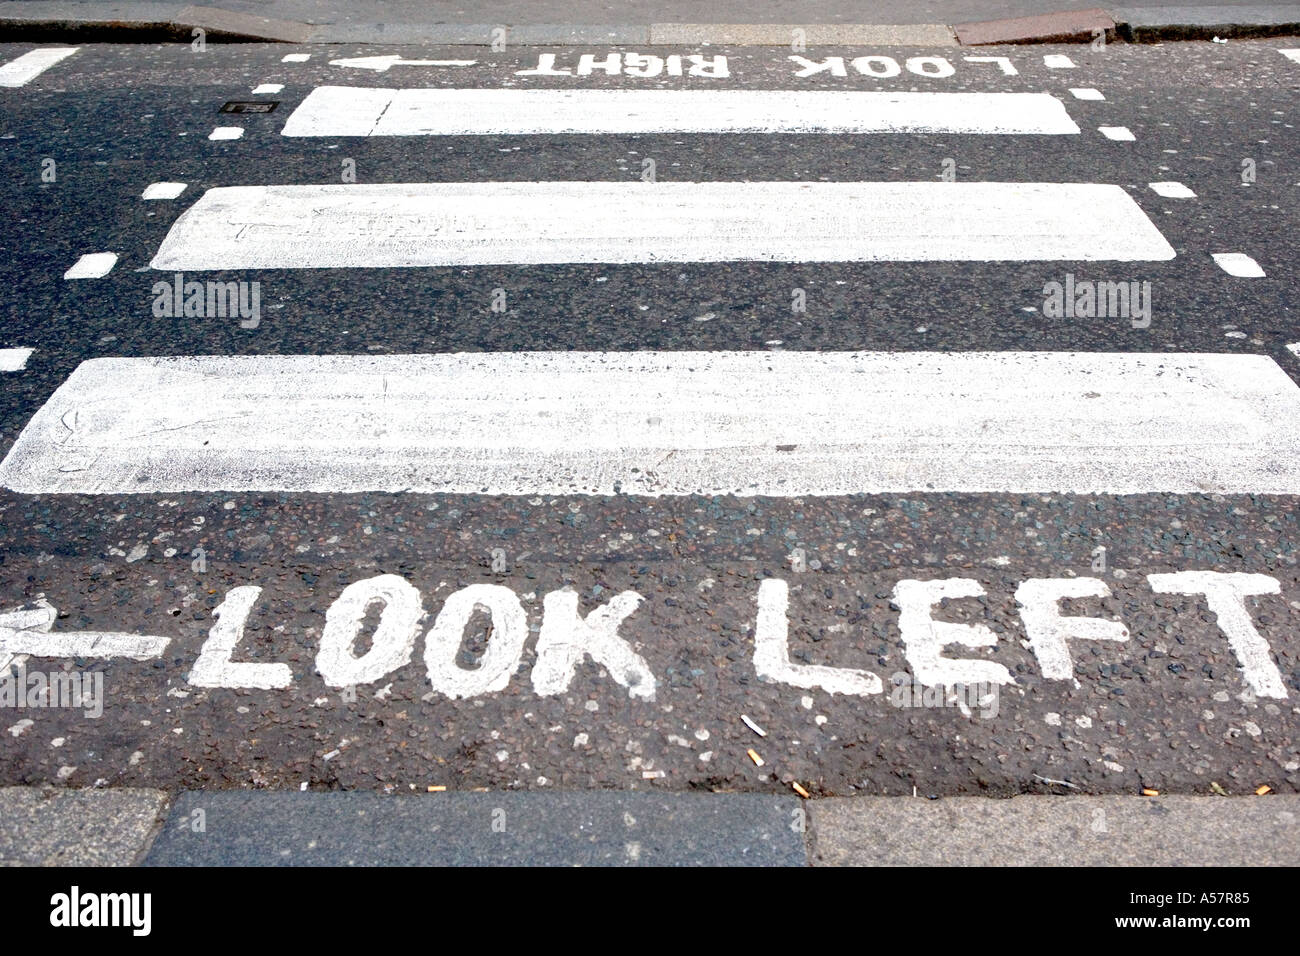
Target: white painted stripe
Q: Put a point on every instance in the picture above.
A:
(227, 132)
(93, 265)
(140, 647)
(1238, 264)
(1086, 93)
(668, 423)
(1291, 54)
(14, 360)
(355, 111)
(1118, 133)
(1172, 190)
(268, 88)
(295, 58)
(482, 223)
(29, 66)
(163, 190)
(1058, 61)
(1295, 349)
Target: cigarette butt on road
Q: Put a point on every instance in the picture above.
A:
(753, 726)
(1263, 790)
(758, 761)
(800, 790)
(437, 789)
(1148, 792)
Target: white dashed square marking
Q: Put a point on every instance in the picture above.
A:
(1238, 264)
(93, 265)
(1172, 190)
(163, 190)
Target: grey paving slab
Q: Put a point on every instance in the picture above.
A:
(1073, 830)
(1046, 28)
(235, 23)
(598, 828)
(49, 827)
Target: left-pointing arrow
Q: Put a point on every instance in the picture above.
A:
(380, 64)
(28, 631)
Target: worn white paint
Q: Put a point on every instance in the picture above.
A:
(1293, 55)
(1058, 61)
(352, 111)
(1225, 594)
(1003, 63)
(1238, 264)
(1121, 134)
(295, 58)
(505, 645)
(163, 190)
(925, 638)
(1172, 190)
(262, 88)
(566, 638)
(1294, 349)
(227, 132)
(392, 643)
(93, 265)
(668, 423)
(38, 619)
(1086, 93)
(487, 223)
(772, 651)
(24, 69)
(139, 647)
(214, 667)
(14, 359)
(1049, 631)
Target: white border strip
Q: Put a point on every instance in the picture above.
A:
(360, 111)
(492, 223)
(29, 66)
(668, 423)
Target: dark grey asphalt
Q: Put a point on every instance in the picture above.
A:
(1167, 709)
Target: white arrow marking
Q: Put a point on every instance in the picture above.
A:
(38, 619)
(27, 631)
(380, 64)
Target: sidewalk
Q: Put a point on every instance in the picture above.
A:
(623, 828)
(667, 22)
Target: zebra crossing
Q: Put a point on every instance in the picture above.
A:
(630, 487)
(1008, 421)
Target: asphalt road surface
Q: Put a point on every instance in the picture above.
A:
(529, 464)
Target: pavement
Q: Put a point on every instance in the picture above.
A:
(663, 23)
(426, 648)
(138, 827)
